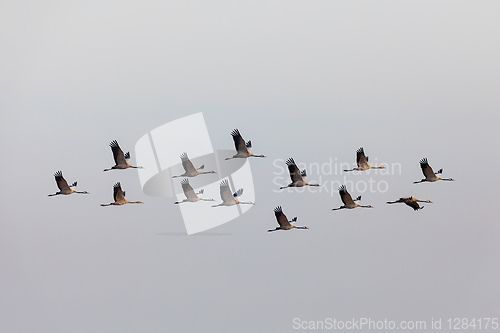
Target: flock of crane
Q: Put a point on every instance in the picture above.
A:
(230, 199)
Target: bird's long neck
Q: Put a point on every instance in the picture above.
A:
(447, 179)
(204, 172)
(377, 167)
(106, 204)
(246, 203)
(301, 227)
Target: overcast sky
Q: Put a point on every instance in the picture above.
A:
(311, 80)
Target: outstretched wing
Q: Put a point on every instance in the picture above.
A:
(239, 143)
(280, 217)
(225, 192)
(413, 204)
(361, 158)
(188, 190)
(295, 173)
(426, 168)
(118, 194)
(186, 163)
(61, 182)
(118, 153)
(345, 196)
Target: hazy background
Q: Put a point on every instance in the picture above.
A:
(311, 80)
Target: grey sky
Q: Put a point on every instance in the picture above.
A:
(309, 80)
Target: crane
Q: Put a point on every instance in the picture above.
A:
(410, 201)
(63, 186)
(242, 148)
(189, 169)
(189, 192)
(349, 203)
(430, 175)
(121, 160)
(362, 161)
(228, 198)
(297, 176)
(119, 197)
(283, 222)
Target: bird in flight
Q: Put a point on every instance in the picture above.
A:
(121, 160)
(189, 169)
(362, 161)
(242, 148)
(63, 186)
(228, 198)
(191, 196)
(297, 176)
(410, 201)
(283, 222)
(349, 203)
(430, 175)
(119, 197)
